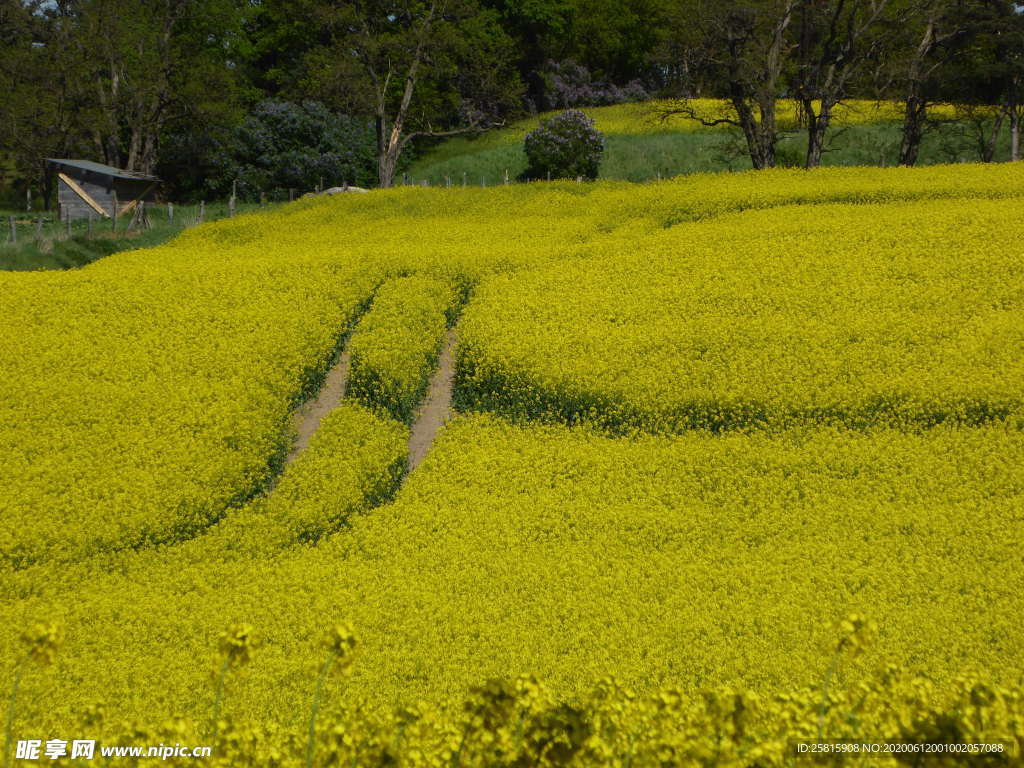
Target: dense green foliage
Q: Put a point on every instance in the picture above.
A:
(282, 146)
(177, 87)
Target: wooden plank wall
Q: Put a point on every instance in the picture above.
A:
(75, 207)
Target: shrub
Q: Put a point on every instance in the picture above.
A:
(564, 146)
(570, 84)
(282, 145)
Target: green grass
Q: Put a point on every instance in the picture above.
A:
(55, 250)
(642, 157)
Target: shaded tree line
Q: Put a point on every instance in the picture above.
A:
(822, 52)
(272, 93)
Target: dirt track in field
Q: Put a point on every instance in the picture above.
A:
(432, 415)
(437, 406)
(308, 416)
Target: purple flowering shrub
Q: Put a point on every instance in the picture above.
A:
(565, 146)
(571, 85)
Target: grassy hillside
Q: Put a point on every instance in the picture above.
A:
(640, 146)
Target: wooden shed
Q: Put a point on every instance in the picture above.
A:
(85, 187)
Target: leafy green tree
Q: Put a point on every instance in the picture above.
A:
(155, 63)
(991, 72)
(280, 146)
(420, 69)
(615, 39)
(45, 94)
(540, 31)
(110, 79)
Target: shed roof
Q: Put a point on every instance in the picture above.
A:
(106, 170)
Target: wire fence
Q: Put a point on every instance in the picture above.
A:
(42, 228)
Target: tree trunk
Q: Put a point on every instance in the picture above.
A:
(760, 144)
(1015, 135)
(988, 145)
(914, 116)
(817, 129)
(386, 165)
(1015, 113)
(134, 146)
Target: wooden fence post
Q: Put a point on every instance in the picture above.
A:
(202, 211)
(506, 175)
(263, 199)
(291, 195)
(113, 216)
(14, 229)
(89, 232)
(28, 199)
(231, 207)
(170, 213)
(39, 228)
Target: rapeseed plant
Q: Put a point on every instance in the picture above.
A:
(849, 339)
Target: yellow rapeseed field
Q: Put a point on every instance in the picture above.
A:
(740, 465)
(396, 345)
(904, 314)
(650, 117)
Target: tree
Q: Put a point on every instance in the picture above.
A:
(836, 38)
(156, 62)
(986, 77)
(935, 27)
(614, 39)
(109, 79)
(1004, 29)
(746, 49)
(540, 31)
(421, 69)
(44, 90)
(280, 146)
